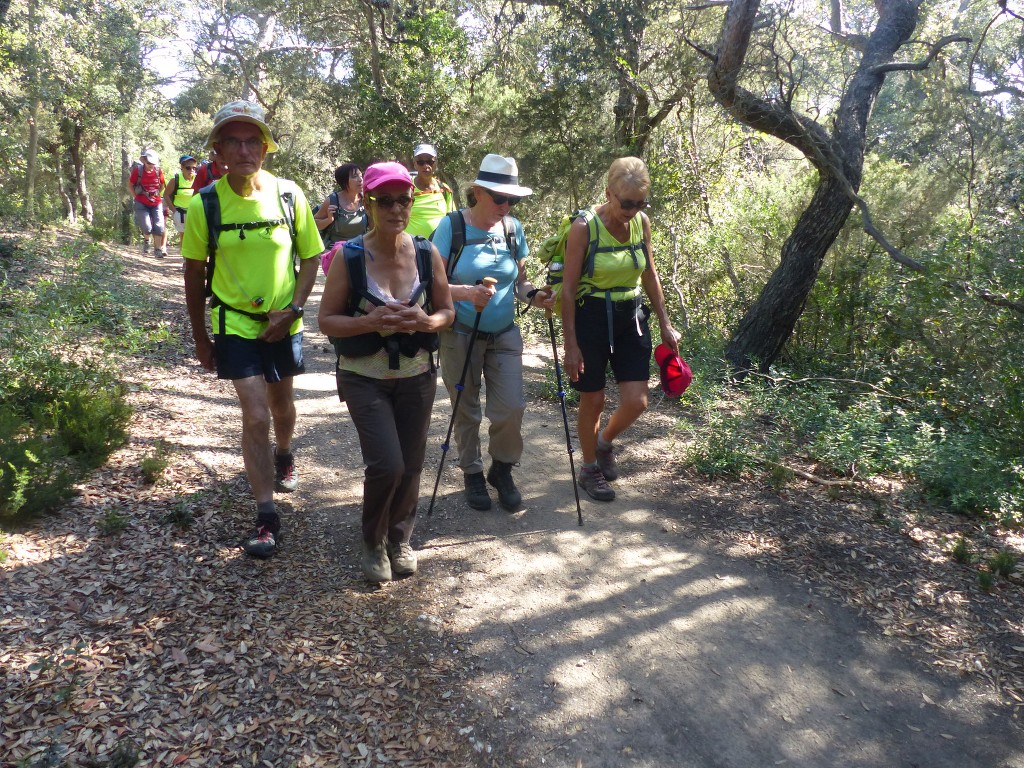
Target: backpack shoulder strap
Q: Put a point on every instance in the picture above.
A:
(286, 191)
(588, 215)
(458, 224)
(425, 270)
(509, 225)
(211, 209)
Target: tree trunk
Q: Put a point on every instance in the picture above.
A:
(78, 166)
(62, 189)
(31, 161)
(768, 324)
(127, 203)
(838, 157)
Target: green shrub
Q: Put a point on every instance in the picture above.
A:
(155, 463)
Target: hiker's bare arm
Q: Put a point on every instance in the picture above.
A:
(543, 297)
(324, 214)
(575, 246)
(652, 287)
(195, 301)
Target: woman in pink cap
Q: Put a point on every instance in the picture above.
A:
(384, 301)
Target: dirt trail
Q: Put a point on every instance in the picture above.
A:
(625, 643)
(525, 640)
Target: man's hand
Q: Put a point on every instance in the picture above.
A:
(278, 326)
(204, 351)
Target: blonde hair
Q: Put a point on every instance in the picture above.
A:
(628, 173)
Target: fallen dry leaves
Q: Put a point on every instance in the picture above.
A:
(169, 643)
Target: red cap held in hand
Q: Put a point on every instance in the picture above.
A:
(675, 373)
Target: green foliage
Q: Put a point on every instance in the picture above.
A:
(63, 410)
(112, 522)
(856, 433)
(181, 515)
(961, 551)
(155, 463)
(1003, 563)
(986, 580)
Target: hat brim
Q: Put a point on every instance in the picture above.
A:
(505, 189)
(264, 131)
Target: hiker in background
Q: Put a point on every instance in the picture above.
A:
(478, 242)
(607, 323)
(385, 300)
(341, 215)
(209, 170)
(257, 299)
(432, 198)
(179, 191)
(146, 183)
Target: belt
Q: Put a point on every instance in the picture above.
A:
(468, 329)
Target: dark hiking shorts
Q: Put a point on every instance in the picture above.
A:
(240, 358)
(631, 360)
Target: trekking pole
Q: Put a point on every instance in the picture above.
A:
(565, 415)
(489, 282)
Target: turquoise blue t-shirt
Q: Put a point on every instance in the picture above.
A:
(486, 255)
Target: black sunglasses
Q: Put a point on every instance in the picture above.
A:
(428, 161)
(386, 201)
(502, 199)
(628, 205)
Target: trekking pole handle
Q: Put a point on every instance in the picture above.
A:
(489, 282)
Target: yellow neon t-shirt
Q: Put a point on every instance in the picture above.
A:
(428, 208)
(258, 265)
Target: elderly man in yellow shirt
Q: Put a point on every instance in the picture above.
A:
(254, 225)
(431, 197)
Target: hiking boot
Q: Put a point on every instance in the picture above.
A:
(159, 254)
(286, 479)
(476, 491)
(402, 557)
(262, 544)
(500, 476)
(594, 483)
(145, 246)
(606, 461)
(376, 566)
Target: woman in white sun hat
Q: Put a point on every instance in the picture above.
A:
(484, 241)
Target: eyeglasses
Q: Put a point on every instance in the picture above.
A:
(502, 199)
(426, 161)
(386, 201)
(629, 205)
(233, 143)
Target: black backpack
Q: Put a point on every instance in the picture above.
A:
(360, 298)
(211, 207)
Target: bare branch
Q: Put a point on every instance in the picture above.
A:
(1007, 89)
(702, 51)
(962, 286)
(857, 42)
(705, 6)
(917, 66)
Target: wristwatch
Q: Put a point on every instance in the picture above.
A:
(299, 311)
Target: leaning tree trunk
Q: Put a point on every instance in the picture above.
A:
(768, 324)
(837, 155)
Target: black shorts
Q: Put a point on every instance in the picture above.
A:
(631, 360)
(241, 358)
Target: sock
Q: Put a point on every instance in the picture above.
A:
(601, 442)
(590, 465)
(266, 515)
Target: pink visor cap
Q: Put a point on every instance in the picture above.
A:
(379, 174)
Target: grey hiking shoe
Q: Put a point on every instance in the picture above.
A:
(376, 566)
(500, 476)
(145, 246)
(402, 557)
(262, 544)
(286, 479)
(159, 254)
(606, 461)
(594, 483)
(476, 491)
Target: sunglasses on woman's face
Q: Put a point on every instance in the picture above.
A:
(502, 199)
(629, 205)
(387, 202)
(425, 161)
